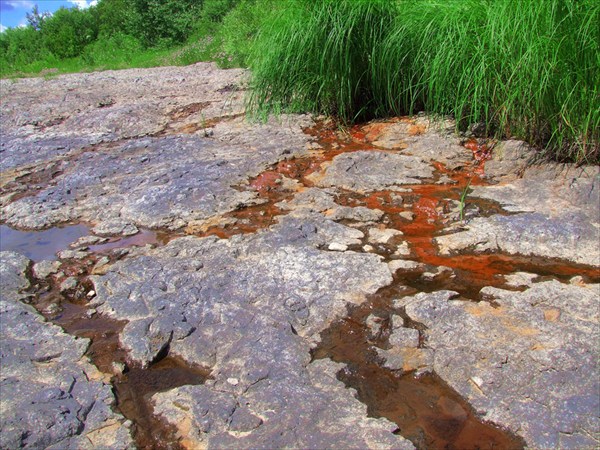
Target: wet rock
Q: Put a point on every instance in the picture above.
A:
(263, 416)
(386, 171)
(528, 234)
(407, 359)
(51, 396)
(422, 137)
(86, 241)
(45, 268)
(558, 216)
(359, 214)
(251, 310)
(534, 369)
(72, 254)
(68, 284)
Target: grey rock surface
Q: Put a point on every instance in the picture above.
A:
(65, 114)
(314, 411)
(250, 308)
(51, 396)
(386, 171)
(139, 160)
(530, 363)
(557, 216)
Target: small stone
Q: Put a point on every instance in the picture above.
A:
(439, 272)
(403, 249)
(402, 264)
(377, 236)
(69, 284)
(90, 312)
(368, 248)
(72, 254)
(374, 323)
(113, 228)
(520, 279)
(101, 266)
(407, 215)
(404, 337)
(577, 280)
(44, 268)
(337, 247)
(91, 294)
(233, 381)
(88, 240)
(118, 367)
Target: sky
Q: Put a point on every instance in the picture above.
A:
(12, 12)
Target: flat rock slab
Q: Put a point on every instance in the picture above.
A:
(529, 363)
(70, 112)
(556, 215)
(365, 171)
(52, 397)
(248, 308)
(153, 182)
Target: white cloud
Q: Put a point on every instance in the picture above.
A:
(26, 4)
(83, 4)
(2, 28)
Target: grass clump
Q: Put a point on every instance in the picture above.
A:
(524, 69)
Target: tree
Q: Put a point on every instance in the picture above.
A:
(35, 19)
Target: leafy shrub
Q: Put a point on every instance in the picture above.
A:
(68, 31)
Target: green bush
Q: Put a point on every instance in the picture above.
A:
(68, 31)
(19, 46)
(164, 23)
(111, 51)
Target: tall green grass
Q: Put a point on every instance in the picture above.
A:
(525, 69)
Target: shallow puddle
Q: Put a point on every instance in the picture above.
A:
(40, 245)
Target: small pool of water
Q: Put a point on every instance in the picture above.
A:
(40, 245)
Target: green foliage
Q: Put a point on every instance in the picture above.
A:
(165, 22)
(116, 17)
(68, 31)
(525, 69)
(19, 46)
(239, 29)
